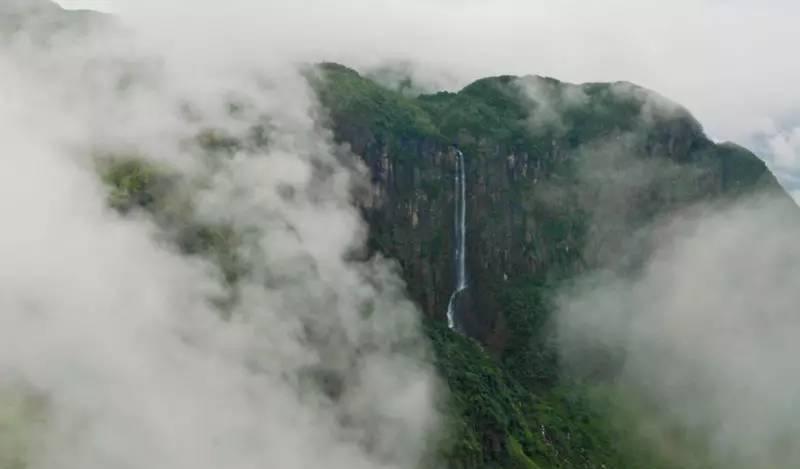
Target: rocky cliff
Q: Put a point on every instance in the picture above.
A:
(562, 179)
(557, 175)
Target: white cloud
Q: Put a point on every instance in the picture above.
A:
(706, 333)
(725, 60)
(785, 149)
(94, 311)
(117, 331)
(98, 5)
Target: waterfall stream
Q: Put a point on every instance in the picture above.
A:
(460, 253)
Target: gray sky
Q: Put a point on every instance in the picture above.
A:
(90, 4)
(728, 61)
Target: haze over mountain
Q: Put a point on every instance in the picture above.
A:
(724, 60)
(222, 249)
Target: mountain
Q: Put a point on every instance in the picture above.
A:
(561, 179)
(41, 19)
(533, 147)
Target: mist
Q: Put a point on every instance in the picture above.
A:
(118, 338)
(685, 319)
(703, 335)
(115, 334)
(724, 60)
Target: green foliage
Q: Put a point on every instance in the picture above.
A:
(529, 354)
(490, 108)
(136, 184)
(509, 405)
(483, 406)
(357, 101)
(517, 457)
(494, 422)
(20, 421)
(590, 144)
(133, 183)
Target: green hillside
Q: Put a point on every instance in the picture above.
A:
(561, 178)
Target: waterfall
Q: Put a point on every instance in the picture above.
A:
(460, 245)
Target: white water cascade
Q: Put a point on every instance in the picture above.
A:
(460, 238)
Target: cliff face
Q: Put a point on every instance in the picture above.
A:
(558, 177)
(561, 179)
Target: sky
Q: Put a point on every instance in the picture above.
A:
(102, 5)
(728, 61)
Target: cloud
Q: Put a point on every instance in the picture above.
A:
(116, 328)
(723, 60)
(549, 101)
(97, 5)
(703, 334)
(785, 149)
(318, 361)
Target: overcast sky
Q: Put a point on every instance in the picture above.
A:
(104, 5)
(731, 62)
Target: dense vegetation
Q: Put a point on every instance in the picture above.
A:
(561, 178)
(511, 404)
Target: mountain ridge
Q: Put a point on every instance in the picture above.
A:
(422, 129)
(563, 179)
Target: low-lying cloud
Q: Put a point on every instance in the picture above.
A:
(704, 334)
(724, 60)
(316, 361)
(116, 331)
